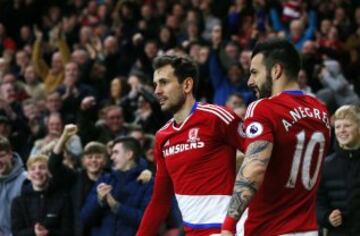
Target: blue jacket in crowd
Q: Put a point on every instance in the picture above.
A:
(222, 85)
(133, 197)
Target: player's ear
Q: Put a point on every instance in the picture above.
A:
(188, 85)
(276, 71)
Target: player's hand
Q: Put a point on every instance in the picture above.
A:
(145, 176)
(70, 130)
(335, 218)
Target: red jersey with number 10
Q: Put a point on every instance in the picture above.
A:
(298, 126)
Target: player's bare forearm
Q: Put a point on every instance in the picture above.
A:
(249, 177)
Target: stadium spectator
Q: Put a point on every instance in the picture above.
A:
(12, 176)
(116, 203)
(337, 90)
(42, 208)
(225, 83)
(110, 126)
(77, 183)
(338, 198)
(54, 127)
(33, 86)
(72, 91)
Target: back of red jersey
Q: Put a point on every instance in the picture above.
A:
(298, 127)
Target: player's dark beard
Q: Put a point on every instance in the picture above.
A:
(180, 101)
(266, 88)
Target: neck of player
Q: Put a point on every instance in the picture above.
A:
(284, 86)
(185, 110)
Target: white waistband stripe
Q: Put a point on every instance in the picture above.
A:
(203, 209)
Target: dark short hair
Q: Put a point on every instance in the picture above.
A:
(4, 144)
(140, 75)
(129, 144)
(184, 67)
(279, 51)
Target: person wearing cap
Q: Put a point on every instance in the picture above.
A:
(78, 183)
(118, 200)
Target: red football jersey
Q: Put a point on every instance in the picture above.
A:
(298, 126)
(199, 157)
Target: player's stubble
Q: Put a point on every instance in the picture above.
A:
(265, 89)
(175, 102)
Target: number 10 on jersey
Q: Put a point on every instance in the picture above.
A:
(305, 155)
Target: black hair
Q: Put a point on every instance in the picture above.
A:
(279, 51)
(184, 67)
(130, 144)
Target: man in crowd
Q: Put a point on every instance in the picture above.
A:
(12, 176)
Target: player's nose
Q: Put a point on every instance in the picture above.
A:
(157, 90)
(250, 82)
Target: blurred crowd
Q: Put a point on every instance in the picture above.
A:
(89, 63)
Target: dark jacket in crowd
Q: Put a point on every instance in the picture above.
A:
(133, 197)
(340, 189)
(76, 183)
(51, 208)
(89, 130)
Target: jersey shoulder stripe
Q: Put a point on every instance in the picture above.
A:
(225, 119)
(221, 109)
(167, 124)
(251, 109)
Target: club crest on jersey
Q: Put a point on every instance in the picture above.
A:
(193, 142)
(254, 129)
(193, 135)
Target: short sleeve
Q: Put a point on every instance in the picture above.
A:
(229, 126)
(257, 123)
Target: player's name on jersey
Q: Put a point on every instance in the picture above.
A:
(299, 113)
(178, 148)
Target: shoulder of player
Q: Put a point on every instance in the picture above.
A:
(218, 112)
(319, 103)
(258, 106)
(167, 124)
(163, 130)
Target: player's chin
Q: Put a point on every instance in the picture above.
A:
(164, 107)
(257, 93)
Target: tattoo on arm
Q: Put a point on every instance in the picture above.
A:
(248, 178)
